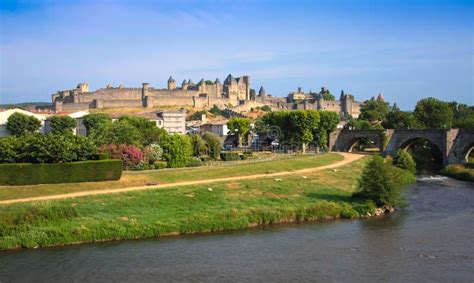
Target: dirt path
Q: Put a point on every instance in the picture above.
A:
(348, 158)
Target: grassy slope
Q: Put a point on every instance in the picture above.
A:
(178, 210)
(130, 179)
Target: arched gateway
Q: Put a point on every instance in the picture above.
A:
(454, 144)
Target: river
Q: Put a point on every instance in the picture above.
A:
(430, 241)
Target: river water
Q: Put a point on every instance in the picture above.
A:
(430, 241)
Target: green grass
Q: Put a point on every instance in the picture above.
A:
(140, 178)
(181, 210)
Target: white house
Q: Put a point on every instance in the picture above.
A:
(4, 114)
(218, 127)
(79, 130)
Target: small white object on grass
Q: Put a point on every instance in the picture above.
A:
(209, 189)
(278, 180)
(304, 177)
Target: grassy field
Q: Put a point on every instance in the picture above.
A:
(152, 213)
(140, 178)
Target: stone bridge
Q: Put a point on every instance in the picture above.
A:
(454, 144)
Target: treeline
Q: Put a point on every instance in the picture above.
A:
(299, 127)
(428, 113)
(135, 140)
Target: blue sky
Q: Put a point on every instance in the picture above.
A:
(405, 49)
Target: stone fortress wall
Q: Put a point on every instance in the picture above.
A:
(232, 93)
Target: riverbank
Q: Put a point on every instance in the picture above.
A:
(183, 210)
(459, 171)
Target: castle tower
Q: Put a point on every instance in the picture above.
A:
(247, 86)
(184, 85)
(202, 86)
(261, 92)
(145, 90)
(83, 87)
(171, 83)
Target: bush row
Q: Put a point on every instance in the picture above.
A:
(83, 171)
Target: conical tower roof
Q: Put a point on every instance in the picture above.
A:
(202, 82)
(261, 92)
(380, 97)
(184, 82)
(217, 81)
(230, 79)
(171, 79)
(190, 82)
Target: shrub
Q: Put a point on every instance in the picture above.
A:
(230, 156)
(62, 124)
(152, 153)
(177, 150)
(246, 155)
(403, 159)
(20, 124)
(194, 162)
(96, 120)
(83, 171)
(38, 148)
(460, 172)
(266, 108)
(198, 145)
(131, 156)
(160, 164)
(383, 183)
(215, 110)
(213, 145)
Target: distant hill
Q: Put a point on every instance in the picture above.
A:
(25, 105)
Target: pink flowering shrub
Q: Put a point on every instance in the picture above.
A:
(131, 156)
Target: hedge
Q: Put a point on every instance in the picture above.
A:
(73, 172)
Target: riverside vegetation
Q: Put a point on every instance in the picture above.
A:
(188, 209)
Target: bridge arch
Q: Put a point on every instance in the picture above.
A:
(417, 145)
(467, 151)
(361, 141)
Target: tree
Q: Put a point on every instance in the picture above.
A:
(240, 127)
(463, 115)
(328, 96)
(266, 108)
(213, 144)
(177, 150)
(198, 145)
(328, 123)
(20, 124)
(397, 119)
(119, 132)
(96, 120)
(215, 110)
(374, 110)
(383, 183)
(433, 113)
(296, 127)
(62, 124)
(403, 159)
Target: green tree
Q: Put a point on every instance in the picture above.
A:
(374, 110)
(240, 127)
(119, 132)
(20, 124)
(215, 110)
(463, 115)
(328, 123)
(62, 124)
(403, 159)
(95, 121)
(397, 119)
(383, 183)
(177, 150)
(213, 144)
(433, 113)
(328, 96)
(198, 145)
(266, 108)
